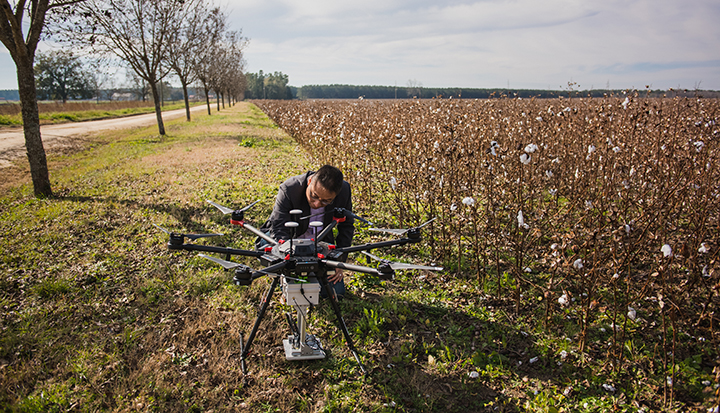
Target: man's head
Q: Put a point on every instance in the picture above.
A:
(323, 186)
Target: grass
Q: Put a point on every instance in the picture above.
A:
(99, 316)
(54, 113)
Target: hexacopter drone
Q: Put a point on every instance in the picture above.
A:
(301, 266)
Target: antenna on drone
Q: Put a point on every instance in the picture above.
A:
(316, 224)
(293, 224)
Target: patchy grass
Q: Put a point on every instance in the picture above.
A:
(99, 315)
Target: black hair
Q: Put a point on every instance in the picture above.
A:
(330, 177)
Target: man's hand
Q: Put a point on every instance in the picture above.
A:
(338, 276)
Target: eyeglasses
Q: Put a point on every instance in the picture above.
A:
(315, 197)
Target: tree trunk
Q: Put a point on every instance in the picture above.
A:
(187, 101)
(217, 100)
(158, 110)
(207, 99)
(31, 128)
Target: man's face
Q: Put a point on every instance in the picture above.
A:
(318, 196)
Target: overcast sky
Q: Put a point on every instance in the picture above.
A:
(531, 44)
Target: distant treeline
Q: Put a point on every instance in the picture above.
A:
(140, 92)
(9, 94)
(393, 92)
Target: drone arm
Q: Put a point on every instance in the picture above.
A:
(374, 245)
(328, 230)
(269, 270)
(352, 267)
(219, 250)
(260, 234)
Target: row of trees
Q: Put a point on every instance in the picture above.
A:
(153, 37)
(63, 75)
(415, 89)
(268, 86)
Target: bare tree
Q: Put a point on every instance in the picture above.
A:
(22, 44)
(214, 27)
(137, 31)
(185, 46)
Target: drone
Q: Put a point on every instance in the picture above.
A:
(300, 267)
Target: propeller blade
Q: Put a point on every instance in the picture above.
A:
(427, 222)
(359, 218)
(249, 206)
(163, 229)
(190, 236)
(401, 232)
(404, 266)
(401, 265)
(226, 264)
(390, 230)
(197, 236)
(225, 210)
(230, 265)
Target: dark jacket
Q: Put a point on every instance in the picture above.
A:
(292, 196)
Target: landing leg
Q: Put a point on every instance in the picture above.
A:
(341, 322)
(245, 349)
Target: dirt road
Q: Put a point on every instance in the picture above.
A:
(12, 140)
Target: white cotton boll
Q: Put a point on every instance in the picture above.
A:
(625, 103)
(531, 148)
(627, 229)
(563, 355)
(468, 201)
(474, 374)
(525, 158)
(393, 182)
(705, 272)
(631, 313)
(552, 192)
(453, 207)
(528, 269)
(699, 145)
(436, 145)
(704, 249)
(539, 119)
(608, 387)
(591, 149)
(563, 300)
(616, 149)
(520, 219)
(549, 174)
(588, 205)
(578, 264)
(533, 360)
(492, 151)
(667, 251)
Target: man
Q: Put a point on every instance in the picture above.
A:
(317, 194)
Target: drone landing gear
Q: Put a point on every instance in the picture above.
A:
(295, 349)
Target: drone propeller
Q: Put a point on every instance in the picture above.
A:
(401, 265)
(401, 232)
(225, 210)
(190, 236)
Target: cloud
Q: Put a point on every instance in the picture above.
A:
(484, 43)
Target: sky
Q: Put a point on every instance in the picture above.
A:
(520, 44)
